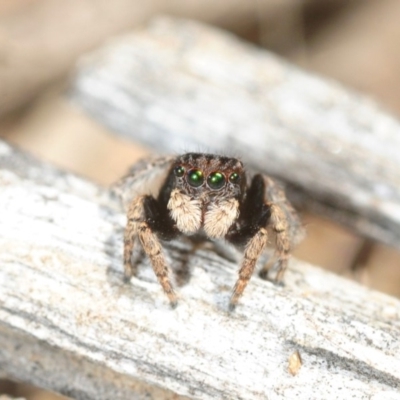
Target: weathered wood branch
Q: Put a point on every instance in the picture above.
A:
(68, 323)
(178, 85)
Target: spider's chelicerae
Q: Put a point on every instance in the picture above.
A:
(213, 195)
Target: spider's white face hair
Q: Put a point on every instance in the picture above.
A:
(206, 194)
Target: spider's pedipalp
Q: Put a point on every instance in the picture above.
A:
(220, 217)
(186, 211)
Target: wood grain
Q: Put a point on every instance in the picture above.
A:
(69, 324)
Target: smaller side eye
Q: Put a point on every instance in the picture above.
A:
(234, 177)
(216, 180)
(195, 177)
(179, 171)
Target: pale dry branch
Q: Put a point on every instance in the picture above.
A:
(69, 324)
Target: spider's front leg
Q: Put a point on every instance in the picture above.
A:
(143, 220)
(252, 252)
(256, 213)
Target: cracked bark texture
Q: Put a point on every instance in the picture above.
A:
(68, 322)
(178, 85)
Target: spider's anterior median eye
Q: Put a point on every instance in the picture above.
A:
(216, 180)
(195, 177)
(179, 171)
(234, 177)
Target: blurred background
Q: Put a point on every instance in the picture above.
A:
(356, 42)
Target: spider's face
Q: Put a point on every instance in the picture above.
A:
(207, 177)
(206, 194)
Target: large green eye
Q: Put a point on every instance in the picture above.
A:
(195, 177)
(216, 180)
(179, 171)
(234, 177)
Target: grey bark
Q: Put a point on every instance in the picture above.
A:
(69, 324)
(178, 85)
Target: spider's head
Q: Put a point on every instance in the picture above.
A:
(209, 176)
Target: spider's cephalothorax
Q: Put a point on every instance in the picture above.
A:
(204, 192)
(210, 194)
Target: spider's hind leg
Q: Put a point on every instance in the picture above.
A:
(279, 226)
(281, 214)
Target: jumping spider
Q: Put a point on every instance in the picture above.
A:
(213, 195)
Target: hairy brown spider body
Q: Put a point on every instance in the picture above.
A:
(214, 195)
